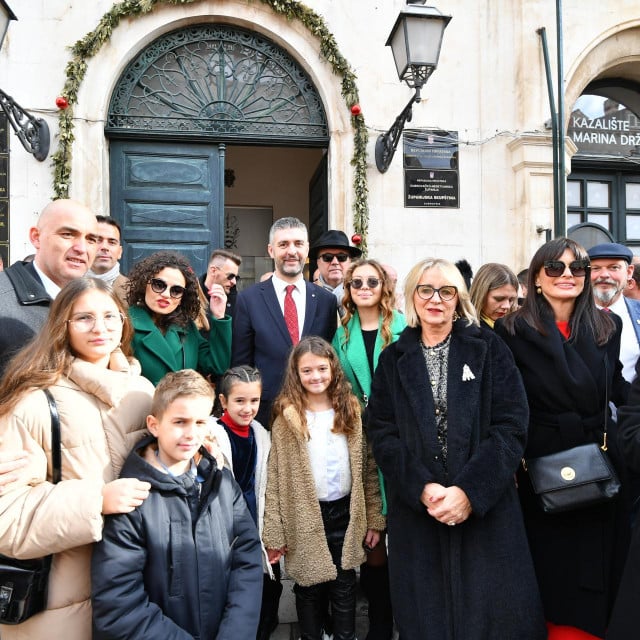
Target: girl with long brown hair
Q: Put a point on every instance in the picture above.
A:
(322, 498)
(81, 357)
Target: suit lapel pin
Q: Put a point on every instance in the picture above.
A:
(467, 374)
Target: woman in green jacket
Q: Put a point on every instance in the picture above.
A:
(163, 306)
(369, 325)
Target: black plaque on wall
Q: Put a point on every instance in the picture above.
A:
(4, 188)
(431, 168)
(4, 221)
(4, 133)
(4, 176)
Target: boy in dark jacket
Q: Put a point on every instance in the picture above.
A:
(186, 563)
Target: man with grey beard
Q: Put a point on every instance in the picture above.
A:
(611, 269)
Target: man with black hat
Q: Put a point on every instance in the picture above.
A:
(333, 254)
(611, 268)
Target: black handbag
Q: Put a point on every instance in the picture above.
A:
(24, 583)
(575, 478)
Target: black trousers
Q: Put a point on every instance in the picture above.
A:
(311, 602)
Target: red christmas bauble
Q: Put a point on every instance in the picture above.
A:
(356, 238)
(62, 102)
(356, 110)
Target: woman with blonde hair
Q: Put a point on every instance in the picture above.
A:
(369, 325)
(447, 420)
(82, 356)
(494, 292)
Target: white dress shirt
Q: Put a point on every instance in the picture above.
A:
(49, 285)
(629, 349)
(299, 295)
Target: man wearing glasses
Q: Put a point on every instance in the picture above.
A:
(223, 270)
(333, 254)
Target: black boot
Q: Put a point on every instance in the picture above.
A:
(271, 591)
(374, 581)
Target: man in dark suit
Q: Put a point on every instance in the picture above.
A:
(65, 238)
(260, 334)
(262, 337)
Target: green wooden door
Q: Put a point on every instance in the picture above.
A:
(168, 195)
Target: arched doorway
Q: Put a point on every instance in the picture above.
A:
(604, 185)
(175, 110)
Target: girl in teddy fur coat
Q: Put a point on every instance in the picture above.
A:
(323, 507)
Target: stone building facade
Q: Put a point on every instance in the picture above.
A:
(177, 95)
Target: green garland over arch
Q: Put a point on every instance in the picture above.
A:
(86, 48)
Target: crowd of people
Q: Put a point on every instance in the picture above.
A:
(212, 438)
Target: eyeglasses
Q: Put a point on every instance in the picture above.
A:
(85, 322)
(328, 257)
(358, 283)
(555, 268)
(446, 293)
(158, 286)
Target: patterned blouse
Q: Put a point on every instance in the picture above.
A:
(437, 359)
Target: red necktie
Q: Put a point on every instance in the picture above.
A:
(291, 314)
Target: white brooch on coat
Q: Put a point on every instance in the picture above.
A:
(467, 374)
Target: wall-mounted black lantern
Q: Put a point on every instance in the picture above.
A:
(415, 41)
(32, 132)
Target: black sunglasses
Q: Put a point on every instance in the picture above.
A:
(228, 276)
(555, 268)
(358, 283)
(328, 257)
(158, 286)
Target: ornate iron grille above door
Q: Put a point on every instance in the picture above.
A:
(219, 82)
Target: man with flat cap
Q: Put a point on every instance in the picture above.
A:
(333, 254)
(611, 268)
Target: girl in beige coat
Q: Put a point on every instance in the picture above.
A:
(81, 357)
(323, 505)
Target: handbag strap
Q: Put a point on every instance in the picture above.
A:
(606, 402)
(56, 454)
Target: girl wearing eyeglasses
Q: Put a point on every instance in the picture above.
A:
(163, 306)
(370, 324)
(82, 356)
(567, 352)
(447, 420)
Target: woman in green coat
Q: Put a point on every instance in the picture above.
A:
(163, 306)
(369, 325)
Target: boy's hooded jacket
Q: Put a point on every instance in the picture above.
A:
(158, 574)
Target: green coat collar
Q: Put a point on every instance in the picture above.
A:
(353, 355)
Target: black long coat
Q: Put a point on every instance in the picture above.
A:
(578, 554)
(474, 581)
(625, 619)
